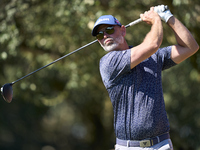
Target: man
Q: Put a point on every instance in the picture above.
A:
(132, 77)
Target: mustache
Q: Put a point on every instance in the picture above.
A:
(108, 39)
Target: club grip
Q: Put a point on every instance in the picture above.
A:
(134, 22)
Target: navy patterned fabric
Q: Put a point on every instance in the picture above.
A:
(136, 94)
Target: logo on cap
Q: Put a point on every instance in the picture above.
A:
(117, 21)
(104, 19)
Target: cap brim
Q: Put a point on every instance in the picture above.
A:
(94, 31)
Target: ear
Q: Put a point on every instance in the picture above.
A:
(123, 29)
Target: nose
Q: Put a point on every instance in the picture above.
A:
(105, 35)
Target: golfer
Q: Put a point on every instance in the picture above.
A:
(132, 77)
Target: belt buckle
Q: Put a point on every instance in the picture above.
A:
(128, 143)
(146, 143)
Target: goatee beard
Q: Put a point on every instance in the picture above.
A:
(113, 46)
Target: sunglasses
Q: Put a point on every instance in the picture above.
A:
(108, 30)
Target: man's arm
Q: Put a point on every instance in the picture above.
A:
(152, 41)
(186, 44)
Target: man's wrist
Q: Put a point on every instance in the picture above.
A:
(167, 16)
(171, 20)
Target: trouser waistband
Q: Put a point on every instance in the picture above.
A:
(143, 143)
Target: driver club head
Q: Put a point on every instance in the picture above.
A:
(7, 92)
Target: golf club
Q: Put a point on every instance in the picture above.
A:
(6, 89)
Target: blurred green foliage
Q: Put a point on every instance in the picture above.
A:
(66, 106)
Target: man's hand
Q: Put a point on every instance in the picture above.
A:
(151, 42)
(150, 16)
(164, 13)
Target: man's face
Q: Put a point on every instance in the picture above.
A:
(113, 41)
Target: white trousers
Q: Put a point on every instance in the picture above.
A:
(164, 145)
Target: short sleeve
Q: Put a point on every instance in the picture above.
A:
(113, 65)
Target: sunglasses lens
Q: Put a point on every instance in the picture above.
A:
(100, 35)
(109, 30)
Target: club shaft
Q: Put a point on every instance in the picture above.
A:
(55, 61)
(130, 24)
(134, 22)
